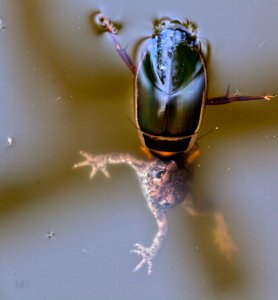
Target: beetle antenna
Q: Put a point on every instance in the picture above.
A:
(132, 123)
(207, 133)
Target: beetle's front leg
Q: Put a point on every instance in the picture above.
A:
(107, 24)
(100, 162)
(227, 98)
(149, 253)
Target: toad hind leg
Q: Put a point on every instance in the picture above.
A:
(149, 253)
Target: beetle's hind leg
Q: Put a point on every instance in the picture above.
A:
(108, 25)
(228, 98)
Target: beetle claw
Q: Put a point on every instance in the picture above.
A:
(105, 24)
(269, 97)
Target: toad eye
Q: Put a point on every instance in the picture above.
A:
(159, 174)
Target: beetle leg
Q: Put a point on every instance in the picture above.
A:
(228, 99)
(121, 51)
(146, 152)
(193, 155)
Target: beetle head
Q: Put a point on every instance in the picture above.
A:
(166, 23)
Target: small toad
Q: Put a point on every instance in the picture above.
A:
(164, 184)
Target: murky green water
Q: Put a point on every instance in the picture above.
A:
(64, 89)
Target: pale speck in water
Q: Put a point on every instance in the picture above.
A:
(30, 51)
(10, 141)
(58, 98)
(262, 44)
(268, 136)
(236, 93)
(229, 169)
(50, 234)
(2, 25)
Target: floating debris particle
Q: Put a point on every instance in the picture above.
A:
(2, 25)
(50, 234)
(236, 93)
(9, 142)
(262, 44)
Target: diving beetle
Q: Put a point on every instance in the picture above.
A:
(170, 86)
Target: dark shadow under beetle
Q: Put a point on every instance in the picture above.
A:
(164, 184)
